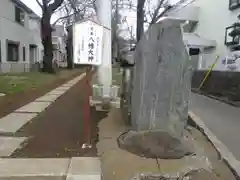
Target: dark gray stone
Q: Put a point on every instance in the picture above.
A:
(161, 81)
(153, 144)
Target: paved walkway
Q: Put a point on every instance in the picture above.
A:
(59, 130)
(53, 112)
(14, 121)
(222, 119)
(118, 164)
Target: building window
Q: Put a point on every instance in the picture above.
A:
(234, 4)
(24, 54)
(12, 51)
(232, 34)
(19, 15)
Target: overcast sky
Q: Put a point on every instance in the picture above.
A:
(131, 15)
(34, 6)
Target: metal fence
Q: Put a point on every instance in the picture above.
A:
(17, 67)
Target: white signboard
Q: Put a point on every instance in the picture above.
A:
(87, 43)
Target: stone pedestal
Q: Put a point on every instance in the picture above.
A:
(103, 102)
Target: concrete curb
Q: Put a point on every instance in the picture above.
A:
(234, 104)
(222, 150)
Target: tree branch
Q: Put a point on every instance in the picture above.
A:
(39, 3)
(61, 18)
(156, 11)
(164, 12)
(69, 15)
(53, 6)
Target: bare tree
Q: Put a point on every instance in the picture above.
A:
(76, 10)
(48, 7)
(118, 19)
(140, 18)
(73, 11)
(147, 13)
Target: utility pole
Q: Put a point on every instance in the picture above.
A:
(104, 13)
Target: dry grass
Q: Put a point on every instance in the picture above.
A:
(19, 82)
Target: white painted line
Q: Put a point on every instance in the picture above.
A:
(224, 152)
(34, 107)
(14, 121)
(9, 144)
(33, 167)
(84, 168)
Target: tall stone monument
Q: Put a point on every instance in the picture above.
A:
(161, 81)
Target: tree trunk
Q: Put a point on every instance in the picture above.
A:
(46, 30)
(69, 48)
(140, 19)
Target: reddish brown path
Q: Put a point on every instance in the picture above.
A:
(59, 131)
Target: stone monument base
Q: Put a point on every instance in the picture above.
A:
(103, 101)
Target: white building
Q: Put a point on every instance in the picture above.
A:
(20, 37)
(211, 21)
(59, 45)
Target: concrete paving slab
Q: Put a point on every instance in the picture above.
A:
(85, 165)
(34, 107)
(81, 76)
(34, 178)
(84, 177)
(84, 168)
(72, 83)
(48, 98)
(33, 167)
(14, 121)
(9, 144)
(75, 80)
(67, 85)
(62, 88)
(56, 92)
(118, 164)
(116, 103)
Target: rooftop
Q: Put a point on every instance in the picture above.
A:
(26, 8)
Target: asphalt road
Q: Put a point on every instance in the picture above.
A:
(222, 119)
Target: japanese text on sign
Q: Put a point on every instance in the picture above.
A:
(87, 43)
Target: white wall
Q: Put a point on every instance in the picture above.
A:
(214, 17)
(11, 30)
